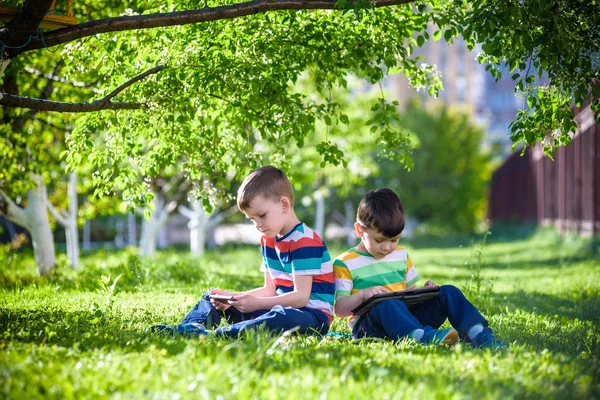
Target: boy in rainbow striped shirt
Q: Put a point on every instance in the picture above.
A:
(379, 265)
(298, 290)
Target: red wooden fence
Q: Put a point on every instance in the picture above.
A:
(564, 192)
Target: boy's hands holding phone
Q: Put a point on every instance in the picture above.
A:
(245, 302)
(220, 304)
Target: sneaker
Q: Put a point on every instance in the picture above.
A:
(163, 330)
(191, 329)
(487, 340)
(439, 336)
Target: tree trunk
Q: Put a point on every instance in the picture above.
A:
(71, 229)
(350, 219)
(148, 237)
(198, 228)
(3, 65)
(119, 237)
(201, 225)
(131, 230)
(151, 228)
(162, 240)
(34, 218)
(320, 214)
(39, 227)
(86, 235)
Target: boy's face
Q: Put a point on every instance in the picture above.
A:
(269, 216)
(375, 243)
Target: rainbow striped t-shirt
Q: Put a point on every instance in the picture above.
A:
(355, 270)
(301, 252)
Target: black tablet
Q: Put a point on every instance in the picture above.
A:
(410, 297)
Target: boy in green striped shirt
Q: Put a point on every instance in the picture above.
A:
(378, 265)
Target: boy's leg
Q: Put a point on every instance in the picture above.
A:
(451, 304)
(280, 319)
(389, 319)
(204, 313)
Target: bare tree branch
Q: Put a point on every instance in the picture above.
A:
(186, 212)
(62, 80)
(60, 216)
(10, 100)
(136, 22)
(13, 212)
(129, 83)
(216, 219)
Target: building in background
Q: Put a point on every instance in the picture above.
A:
(466, 84)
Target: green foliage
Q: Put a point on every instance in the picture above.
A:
(559, 39)
(476, 288)
(447, 188)
(228, 95)
(57, 339)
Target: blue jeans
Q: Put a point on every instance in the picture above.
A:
(277, 319)
(392, 319)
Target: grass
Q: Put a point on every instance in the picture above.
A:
(78, 335)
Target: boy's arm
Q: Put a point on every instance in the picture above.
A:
(345, 304)
(297, 298)
(268, 289)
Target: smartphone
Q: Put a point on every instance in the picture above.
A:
(221, 297)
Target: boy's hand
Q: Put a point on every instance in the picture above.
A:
(429, 285)
(370, 292)
(245, 303)
(219, 305)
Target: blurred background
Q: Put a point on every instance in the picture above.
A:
(466, 179)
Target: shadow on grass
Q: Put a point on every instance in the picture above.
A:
(537, 263)
(83, 330)
(134, 277)
(583, 305)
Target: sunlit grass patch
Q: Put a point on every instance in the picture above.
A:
(67, 336)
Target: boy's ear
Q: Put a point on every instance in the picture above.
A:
(286, 204)
(359, 229)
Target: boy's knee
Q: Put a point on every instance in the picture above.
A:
(206, 296)
(450, 290)
(278, 310)
(389, 306)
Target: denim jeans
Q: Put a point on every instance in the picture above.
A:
(277, 319)
(392, 319)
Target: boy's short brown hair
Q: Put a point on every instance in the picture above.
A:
(269, 182)
(382, 211)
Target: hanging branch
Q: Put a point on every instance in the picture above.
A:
(146, 21)
(104, 103)
(62, 80)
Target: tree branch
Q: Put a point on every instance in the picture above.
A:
(186, 212)
(136, 22)
(62, 80)
(17, 32)
(13, 212)
(215, 220)
(60, 217)
(10, 100)
(130, 82)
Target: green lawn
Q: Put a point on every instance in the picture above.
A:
(71, 337)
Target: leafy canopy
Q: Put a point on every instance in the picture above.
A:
(229, 93)
(230, 84)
